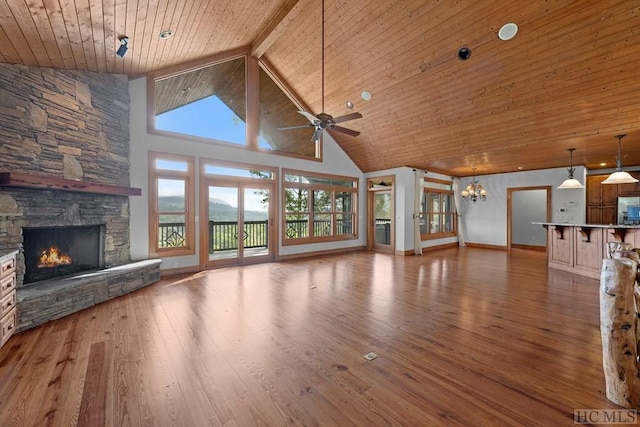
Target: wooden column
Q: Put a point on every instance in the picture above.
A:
(618, 330)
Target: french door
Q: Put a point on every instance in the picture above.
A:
(236, 222)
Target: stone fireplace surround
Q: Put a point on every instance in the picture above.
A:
(72, 128)
(47, 300)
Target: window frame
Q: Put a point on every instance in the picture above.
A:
(426, 192)
(311, 212)
(189, 210)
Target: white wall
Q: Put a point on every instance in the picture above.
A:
(404, 187)
(486, 222)
(336, 162)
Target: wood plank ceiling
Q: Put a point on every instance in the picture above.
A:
(568, 79)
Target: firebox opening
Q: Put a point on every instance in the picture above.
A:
(62, 251)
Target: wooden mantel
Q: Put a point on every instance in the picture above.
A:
(26, 180)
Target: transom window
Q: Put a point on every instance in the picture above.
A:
(437, 210)
(319, 207)
(231, 99)
(209, 102)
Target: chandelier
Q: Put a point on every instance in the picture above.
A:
(474, 191)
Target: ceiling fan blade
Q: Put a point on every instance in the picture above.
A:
(296, 127)
(313, 119)
(347, 117)
(345, 130)
(317, 134)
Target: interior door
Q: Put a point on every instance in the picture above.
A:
(238, 225)
(526, 205)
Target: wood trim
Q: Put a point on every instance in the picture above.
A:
(371, 227)
(530, 248)
(239, 183)
(408, 252)
(26, 180)
(485, 246)
(354, 190)
(178, 271)
(277, 25)
(425, 237)
(319, 253)
(190, 210)
(321, 175)
(437, 247)
(438, 181)
(197, 64)
(205, 161)
(252, 99)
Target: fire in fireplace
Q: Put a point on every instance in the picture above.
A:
(51, 252)
(51, 257)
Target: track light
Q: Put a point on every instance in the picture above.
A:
(122, 50)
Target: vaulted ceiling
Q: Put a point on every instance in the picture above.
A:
(569, 78)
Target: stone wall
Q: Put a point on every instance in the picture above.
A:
(66, 124)
(70, 124)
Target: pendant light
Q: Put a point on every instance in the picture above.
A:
(571, 182)
(619, 176)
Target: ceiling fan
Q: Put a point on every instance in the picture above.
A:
(323, 120)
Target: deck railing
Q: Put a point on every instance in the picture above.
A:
(223, 235)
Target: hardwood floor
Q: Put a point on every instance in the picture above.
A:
(464, 336)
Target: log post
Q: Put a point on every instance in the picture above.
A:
(618, 331)
(630, 253)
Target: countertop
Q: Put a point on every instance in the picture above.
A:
(566, 224)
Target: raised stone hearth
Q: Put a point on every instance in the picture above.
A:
(52, 299)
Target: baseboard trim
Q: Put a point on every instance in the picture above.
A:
(318, 253)
(436, 247)
(529, 248)
(405, 253)
(485, 246)
(170, 272)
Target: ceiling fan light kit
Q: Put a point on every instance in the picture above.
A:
(570, 182)
(619, 176)
(323, 120)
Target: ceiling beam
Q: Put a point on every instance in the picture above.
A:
(279, 22)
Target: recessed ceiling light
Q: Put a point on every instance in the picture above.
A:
(165, 34)
(508, 31)
(186, 89)
(603, 164)
(366, 95)
(349, 104)
(520, 168)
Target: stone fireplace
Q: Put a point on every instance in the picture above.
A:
(51, 252)
(64, 164)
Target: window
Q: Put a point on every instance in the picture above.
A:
(231, 98)
(318, 207)
(437, 212)
(209, 102)
(171, 204)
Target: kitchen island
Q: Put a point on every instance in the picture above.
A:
(580, 248)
